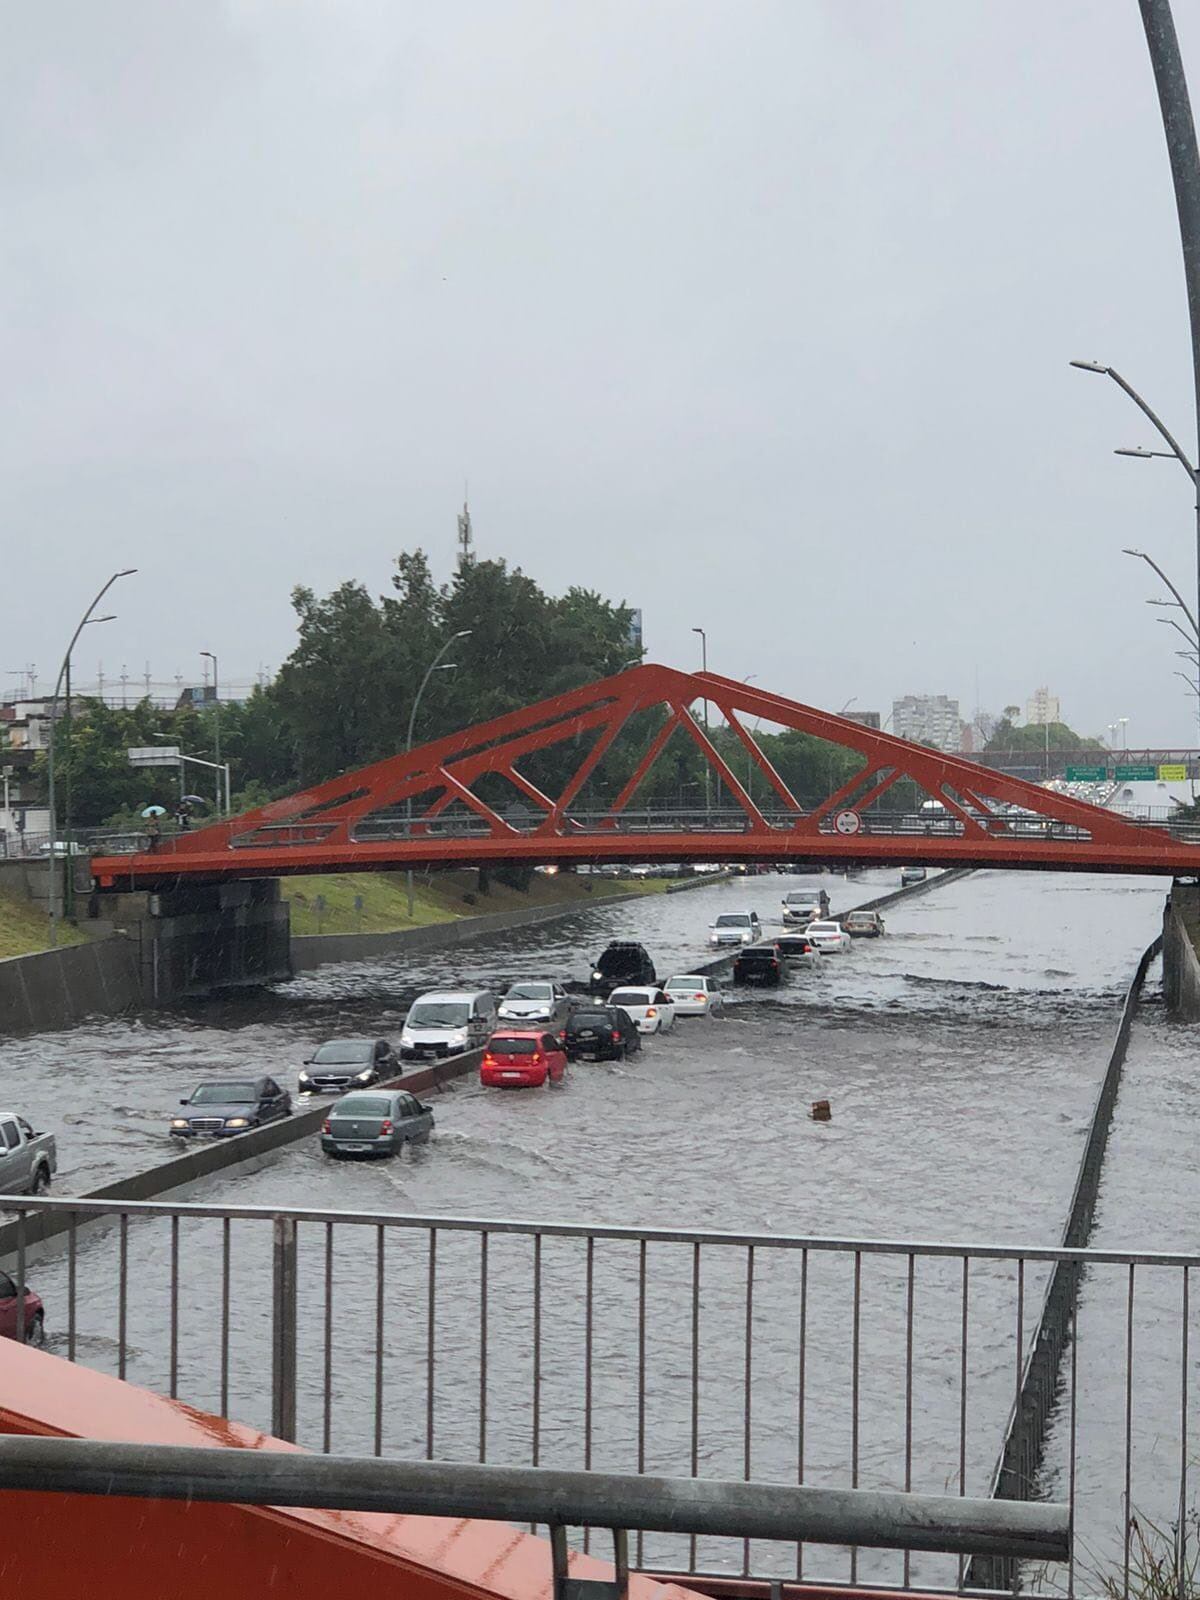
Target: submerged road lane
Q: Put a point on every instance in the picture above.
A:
(961, 1055)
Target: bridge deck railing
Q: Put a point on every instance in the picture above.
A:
(831, 1362)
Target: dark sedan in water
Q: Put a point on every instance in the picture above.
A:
(605, 1033)
(375, 1123)
(226, 1106)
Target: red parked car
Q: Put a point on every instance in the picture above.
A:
(522, 1059)
(35, 1315)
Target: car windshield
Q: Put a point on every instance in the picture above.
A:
(687, 981)
(513, 1047)
(620, 959)
(225, 1094)
(591, 1019)
(822, 927)
(808, 898)
(342, 1052)
(631, 997)
(530, 991)
(733, 919)
(363, 1105)
(439, 1014)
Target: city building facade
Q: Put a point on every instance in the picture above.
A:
(930, 719)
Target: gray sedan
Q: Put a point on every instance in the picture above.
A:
(375, 1122)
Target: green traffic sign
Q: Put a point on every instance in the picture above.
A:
(1086, 774)
(1136, 774)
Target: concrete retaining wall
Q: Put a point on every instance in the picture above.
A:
(1181, 968)
(56, 988)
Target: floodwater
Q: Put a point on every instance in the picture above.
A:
(961, 1055)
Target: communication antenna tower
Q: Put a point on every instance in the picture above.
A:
(466, 555)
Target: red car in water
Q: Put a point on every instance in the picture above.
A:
(522, 1058)
(35, 1316)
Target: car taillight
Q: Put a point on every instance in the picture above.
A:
(537, 1056)
(650, 1011)
(325, 1127)
(774, 963)
(386, 1125)
(489, 1059)
(616, 1033)
(697, 997)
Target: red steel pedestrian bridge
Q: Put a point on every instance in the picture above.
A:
(438, 805)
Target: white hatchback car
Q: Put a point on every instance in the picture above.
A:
(694, 996)
(827, 937)
(651, 1009)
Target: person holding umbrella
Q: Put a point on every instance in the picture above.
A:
(153, 828)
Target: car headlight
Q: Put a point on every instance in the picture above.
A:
(596, 976)
(237, 1122)
(179, 1122)
(364, 1077)
(304, 1078)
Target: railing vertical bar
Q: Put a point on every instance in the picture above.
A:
(379, 1320)
(22, 1286)
(641, 1389)
(72, 1263)
(962, 1397)
(327, 1407)
(908, 1397)
(1128, 1426)
(747, 1376)
(536, 1430)
(695, 1455)
(588, 1346)
(800, 1394)
(430, 1334)
(483, 1343)
(122, 1288)
(1073, 1428)
(855, 1353)
(173, 1390)
(225, 1316)
(1182, 1558)
(1028, 1487)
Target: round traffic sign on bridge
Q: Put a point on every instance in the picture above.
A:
(847, 822)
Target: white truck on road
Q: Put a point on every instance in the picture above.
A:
(28, 1160)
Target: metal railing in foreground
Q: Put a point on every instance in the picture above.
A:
(882, 1365)
(541, 1496)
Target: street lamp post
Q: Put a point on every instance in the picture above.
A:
(707, 769)
(64, 672)
(210, 656)
(436, 665)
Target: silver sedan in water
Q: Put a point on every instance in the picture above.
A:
(375, 1122)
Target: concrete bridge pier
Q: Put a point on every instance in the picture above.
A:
(195, 941)
(1181, 965)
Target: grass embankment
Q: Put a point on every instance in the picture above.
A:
(24, 930)
(438, 897)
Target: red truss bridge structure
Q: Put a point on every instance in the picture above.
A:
(477, 797)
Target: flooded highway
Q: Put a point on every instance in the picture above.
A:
(961, 1055)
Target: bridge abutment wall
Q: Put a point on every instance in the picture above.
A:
(1181, 964)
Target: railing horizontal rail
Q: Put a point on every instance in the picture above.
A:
(538, 1495)
(582, 1230)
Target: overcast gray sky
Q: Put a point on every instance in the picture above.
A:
(754, 313)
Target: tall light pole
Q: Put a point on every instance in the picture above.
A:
(64, 672)
(436, 665)
(707, 767)
(208, 655)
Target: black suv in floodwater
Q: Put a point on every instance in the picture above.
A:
(624, 962)
(606, 1032)
(758, 963)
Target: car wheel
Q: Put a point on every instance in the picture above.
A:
(35, 1331)
(41, 1181)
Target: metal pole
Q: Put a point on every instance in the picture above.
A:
(412, 721)
(62, 671)
(544, 1495)
(1180, 130)
(707, 769)
(283, 1330)
(211, 656)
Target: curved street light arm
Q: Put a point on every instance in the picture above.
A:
(1150, 562)
(1164, 432)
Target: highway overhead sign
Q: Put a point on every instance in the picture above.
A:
(1086, 774)
(154, 755)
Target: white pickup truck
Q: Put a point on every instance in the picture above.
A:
(28, 1160)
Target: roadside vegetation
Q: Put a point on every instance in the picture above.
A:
(23, 927)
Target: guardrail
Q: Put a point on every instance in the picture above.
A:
(879, 1364)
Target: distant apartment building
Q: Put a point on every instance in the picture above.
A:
(928, 719)
(1042, 707)
(868, 719)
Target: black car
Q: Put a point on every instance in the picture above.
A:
(758, 963)
(606, 1033)
(225, 1106)
(342, 1064)
(624, 962)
